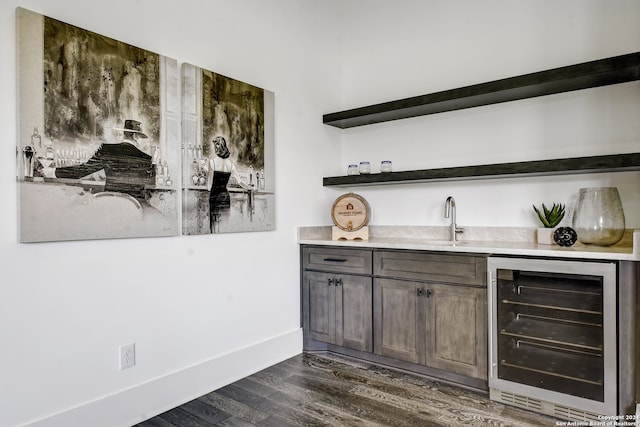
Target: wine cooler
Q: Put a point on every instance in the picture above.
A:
(553, 336)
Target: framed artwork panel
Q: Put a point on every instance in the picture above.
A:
(97, 147)
(228, 154)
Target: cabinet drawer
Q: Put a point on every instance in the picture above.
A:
(355, 261)
(461, 269)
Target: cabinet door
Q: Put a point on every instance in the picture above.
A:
(456, 327)
(353, 312)
(319, 306)
(399, 319)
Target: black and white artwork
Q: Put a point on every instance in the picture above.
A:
(228, 154)
(98, 135)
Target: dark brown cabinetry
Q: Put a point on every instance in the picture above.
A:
(337, 305)
(417, 311)
(428, 313)
(457, 329)
(339, 309)
(400, 320)
(433, 311)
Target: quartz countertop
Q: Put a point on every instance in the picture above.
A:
(483, 240)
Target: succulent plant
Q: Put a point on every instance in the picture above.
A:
(550, 217)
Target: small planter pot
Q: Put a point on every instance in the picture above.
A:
(545, 236)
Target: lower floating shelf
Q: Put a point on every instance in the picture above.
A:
(575, 165)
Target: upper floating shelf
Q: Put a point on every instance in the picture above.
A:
(575, 165)
(618, 69)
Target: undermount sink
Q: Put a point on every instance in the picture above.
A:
(445, 242)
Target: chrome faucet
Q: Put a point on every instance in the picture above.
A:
(450, 211)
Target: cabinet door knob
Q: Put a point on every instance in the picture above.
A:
(338, 282)
(330, 282)
(420, 291)
(429, 293)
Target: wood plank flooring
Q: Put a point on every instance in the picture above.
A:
(326, 390)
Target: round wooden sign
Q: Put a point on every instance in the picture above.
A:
(350, 212)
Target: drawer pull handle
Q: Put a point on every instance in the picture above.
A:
(335, 260)
(426, 293)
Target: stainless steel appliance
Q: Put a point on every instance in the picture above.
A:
(553, 336)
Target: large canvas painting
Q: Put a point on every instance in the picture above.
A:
(98, 135)
(228, 154)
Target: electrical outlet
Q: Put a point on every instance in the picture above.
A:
(127, 356)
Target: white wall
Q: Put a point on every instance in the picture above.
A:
(202, 310)
(394, 52)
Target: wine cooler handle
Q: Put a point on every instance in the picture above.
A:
(490, 293)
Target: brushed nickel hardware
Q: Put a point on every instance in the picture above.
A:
(450, 211)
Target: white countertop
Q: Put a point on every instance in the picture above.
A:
(483, 240)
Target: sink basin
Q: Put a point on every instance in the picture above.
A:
(445, 242)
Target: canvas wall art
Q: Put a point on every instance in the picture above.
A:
(98, 135)
(228, 154)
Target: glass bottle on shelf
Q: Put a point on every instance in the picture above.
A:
(195, 171)
(159, 173)
(36, 139)
(165, 169)
(28, 157)
(154, 164)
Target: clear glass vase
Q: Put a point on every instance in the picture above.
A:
(599, 218)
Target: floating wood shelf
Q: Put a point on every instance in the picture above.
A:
(575, 165)
(618, 69)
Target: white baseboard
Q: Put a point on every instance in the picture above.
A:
(138, 403)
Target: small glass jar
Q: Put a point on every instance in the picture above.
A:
(365, 168)
(352, 170)
(385, 166)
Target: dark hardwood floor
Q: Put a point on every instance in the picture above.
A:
(324, 390)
